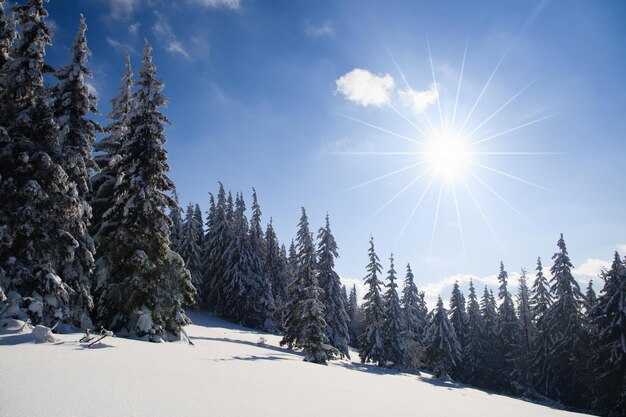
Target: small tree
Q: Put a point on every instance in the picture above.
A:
(395, 349)
(443, 350)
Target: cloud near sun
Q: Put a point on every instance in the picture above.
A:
(364, 88)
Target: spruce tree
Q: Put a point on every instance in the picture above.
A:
(526, 333)
(189, 245)
(39, 203)
(354, 313)
(443, 351)
(412, 321)
(590, 296)
(491, 364)
(177, 229)
(372, 340)
(276, 270)
(474, 345)
(72, 103)
(305, 277)
(7, 36)
(395, 349)
(566, 327)
(109, 154)
(508, 329)
(217, 240)
(247, 296)
(314, 340)
(541, 299)
(458, 319)
(199, 220)
(332, 296)
(146, 284)
(609, 344)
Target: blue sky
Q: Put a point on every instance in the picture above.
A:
(256, 100)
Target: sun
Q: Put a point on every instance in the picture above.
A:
(447, 155)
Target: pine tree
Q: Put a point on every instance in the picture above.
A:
(332, 296)
(508, 329)
(305, 277)
(372, 340)
(609, 344)
(458, 319)
(443, 350)
(356, 319)
(412, 321)
(38, 200)
(72, 103)
(247, 296)
(109, 155)
(189, 245)
(474, 345)
(566, 327)
(199, 220)
(146, 284)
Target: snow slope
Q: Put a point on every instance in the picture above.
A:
(225, 374)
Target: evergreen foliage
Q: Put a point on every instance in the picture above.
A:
(372, 340)
(473, 345)
(189, 246)
(395, 349)
(332, 296)
(413, 322)
(143, 284)
(443, 351)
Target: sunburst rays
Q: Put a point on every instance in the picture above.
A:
(429, 137)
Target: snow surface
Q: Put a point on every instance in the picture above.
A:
(227, 373)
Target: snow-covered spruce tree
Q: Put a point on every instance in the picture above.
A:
(72, 103)
(109, 154)
(332, 297)
(293, 258)
(277, 271)
(540, 299)
(508, 330)
(458, 318)
(247, 297)
(356, 317)
(443, 351)
(305, 276)
(314, 340)
(372, 340)
(256, 230)
(199, 220)
(569, 342)
(489, 312)
(395, 349)
(189, 245)
(523, 352)
(474, 345)
(38, 200)
(146, 283)
(176, 229)
(590, 297)
(217, 240)
(412, 322)
(609, 344)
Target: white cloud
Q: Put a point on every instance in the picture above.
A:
(134, 28)
(326, 29)
(119, 46)
(164, 32)
(419, 101)
(122, 9)
(364, 88)
(589, 270)
(229, 4)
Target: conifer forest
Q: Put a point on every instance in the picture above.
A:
(93, 237)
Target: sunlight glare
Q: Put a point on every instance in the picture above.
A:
(447, 155)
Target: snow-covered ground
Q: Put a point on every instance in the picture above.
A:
(225, 374)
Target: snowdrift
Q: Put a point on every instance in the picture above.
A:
(227, 373)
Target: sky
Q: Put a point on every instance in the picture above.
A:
(343, 107)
